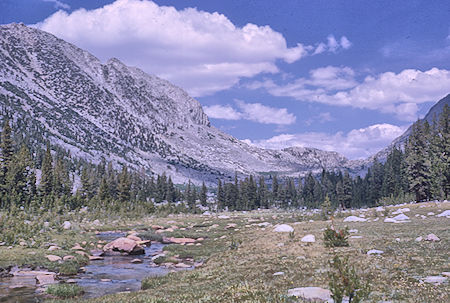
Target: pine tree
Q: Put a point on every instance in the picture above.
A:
(220, 195)
(46, 184)
(103, 191)
(7, 150)
(443, 149)
(62, 184)
(418, 163)
(203, 194)
(170, 191)
(124, 185)
(19, 175)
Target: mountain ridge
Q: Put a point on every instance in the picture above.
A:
(120, 113)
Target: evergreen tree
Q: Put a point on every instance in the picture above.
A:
(46, 184)
(418, 163)
(220, 196)
(203, 194)
(7, 150)
(124, 185)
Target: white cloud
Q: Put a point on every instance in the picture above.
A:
(332, 45)
(58, 4)
(255, 112)
(222, 112)
(357, 143)
(388, 92)
(200, 51)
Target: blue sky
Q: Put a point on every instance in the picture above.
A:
(347, 76)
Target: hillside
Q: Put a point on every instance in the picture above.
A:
(57, 91)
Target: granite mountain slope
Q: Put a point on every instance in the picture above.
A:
(57, 91)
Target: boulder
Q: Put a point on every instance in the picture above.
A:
(134, 237)
(54, 247)
(401, 211)
(223, 217)
(66, 225)
(53, 258)
(445, 213)
(310, 293)
(432, 238)
(418, 239)
(354, 219)
(124, 245)
(283, 228)
(46, 279)
(69, 257)
(401, 217)
(77, 247)
(309, 239)
(375, 252)
(278, 273)
(435, 280)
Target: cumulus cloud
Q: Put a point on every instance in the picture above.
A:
(58, 4)
(222, 112)
(255, 112)
(357, 143)
(395, 93)
(200, 51)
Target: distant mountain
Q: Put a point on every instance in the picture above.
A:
(57, 91)
(432, 114)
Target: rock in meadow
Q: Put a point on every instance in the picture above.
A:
(279, 273)
(137, 261)
(418, 239)
(375, 252)
(436, 280)
(283, 228)
(445, 213)
(401, 217)
(354, 219)
(68, 257)
(309, 239)
(53, 258)
(432, 238)
(67, 225)
(310, 293)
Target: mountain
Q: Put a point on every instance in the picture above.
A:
(432, 114)
(57, 91)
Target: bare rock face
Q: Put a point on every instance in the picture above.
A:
(124, 245)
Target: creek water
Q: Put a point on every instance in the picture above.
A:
(112, 275)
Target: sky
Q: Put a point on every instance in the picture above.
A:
(345, 76)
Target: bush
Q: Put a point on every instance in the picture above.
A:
(335, 238)
(343, 281)
(65, 290)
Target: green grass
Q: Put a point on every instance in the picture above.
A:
(245, 274)
(64, 291)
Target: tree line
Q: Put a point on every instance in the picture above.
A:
(419, 171)
(53, 179)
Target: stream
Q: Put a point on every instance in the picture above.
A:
(111, 275)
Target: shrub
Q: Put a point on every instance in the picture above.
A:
(235, 244)
(343, 281)
(65, 290)
(335, 238)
